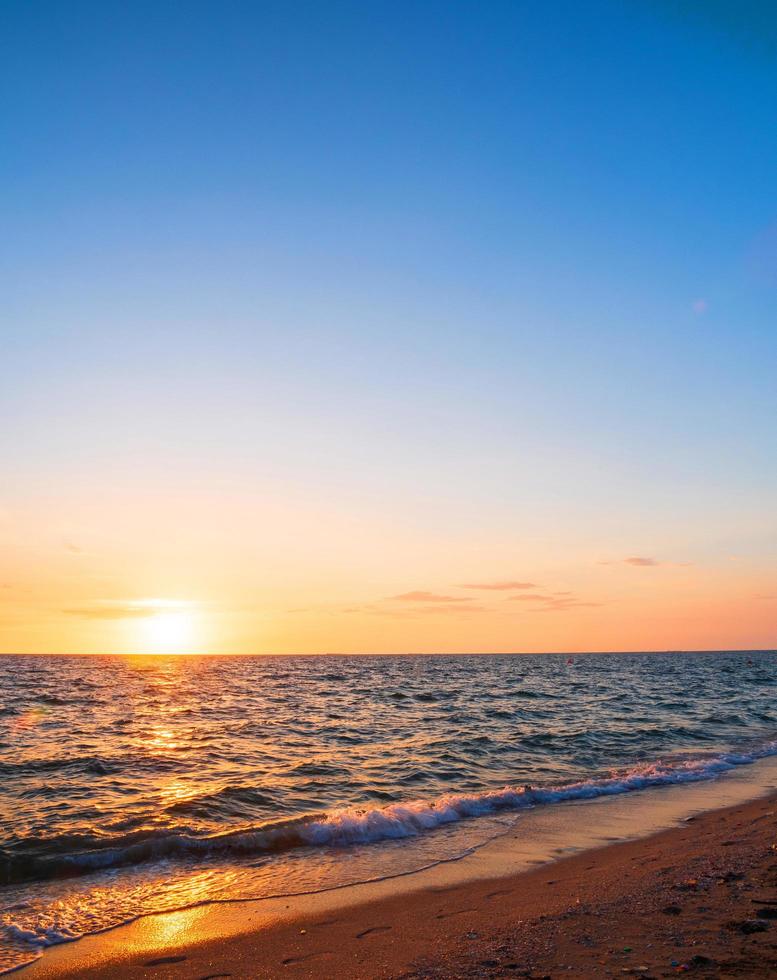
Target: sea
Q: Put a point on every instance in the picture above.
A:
(132, 785)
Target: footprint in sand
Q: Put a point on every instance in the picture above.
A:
(165, 959)
(369, 932)
(504, 891)
(306, 956)
(215, 976)
(447, 915)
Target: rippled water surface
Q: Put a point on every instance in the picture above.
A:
(130, 785)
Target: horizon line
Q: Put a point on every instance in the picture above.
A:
(442, 653)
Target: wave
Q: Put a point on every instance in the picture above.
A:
(348, 826)
(32, 767)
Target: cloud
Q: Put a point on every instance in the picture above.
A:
(534, 597)
(402, 611)
(451, 610)
(427, 597)
(636, 562)
(556, 602)
(562, 605)
(125, 608)
(500, 586)
(111, 612)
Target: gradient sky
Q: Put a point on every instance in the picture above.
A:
(320, 320)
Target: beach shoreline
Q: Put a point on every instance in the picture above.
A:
(673, 897)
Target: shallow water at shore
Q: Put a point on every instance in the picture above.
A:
(136, 785)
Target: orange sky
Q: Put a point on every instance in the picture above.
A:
(156, 572)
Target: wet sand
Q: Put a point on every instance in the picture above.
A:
(699, 898)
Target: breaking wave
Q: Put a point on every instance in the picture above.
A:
(76, 855)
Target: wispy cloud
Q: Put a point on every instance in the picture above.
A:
(110, 612)
(564, 605)
(635, 561)
(428, 597)
(413, 611)
(641, 562)
(556, 602)
(409, 605)
(500, 586)
(450, 610)
(125, 608)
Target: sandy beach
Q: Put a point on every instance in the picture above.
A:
(700, 897)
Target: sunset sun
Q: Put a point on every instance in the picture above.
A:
(168, 632)
(169, 627)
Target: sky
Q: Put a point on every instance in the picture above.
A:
(387, 327)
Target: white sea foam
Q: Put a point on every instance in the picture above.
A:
(359, 826)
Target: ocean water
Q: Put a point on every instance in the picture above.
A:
(133, 785)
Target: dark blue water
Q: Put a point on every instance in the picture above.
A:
(130, 785)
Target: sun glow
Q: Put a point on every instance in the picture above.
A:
(168, 627)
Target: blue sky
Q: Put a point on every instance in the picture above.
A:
(442, 263)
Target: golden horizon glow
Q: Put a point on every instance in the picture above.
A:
(165, 581)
